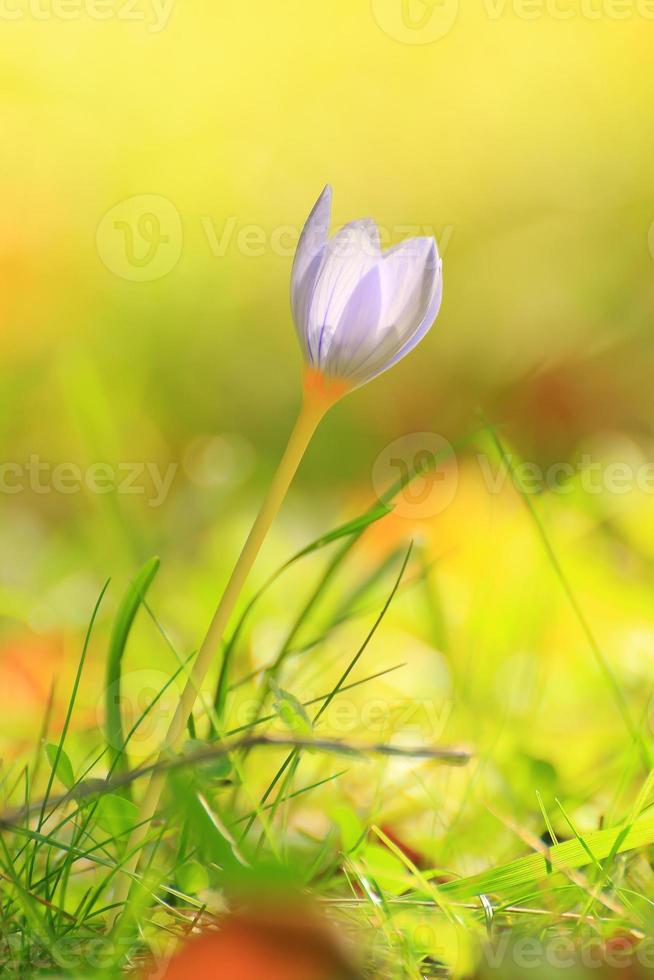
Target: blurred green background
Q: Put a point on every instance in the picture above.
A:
(157, 164)
(158, 161)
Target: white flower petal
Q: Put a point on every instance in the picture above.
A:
(432, 311)
(348, 256)
(357, 311)
(358, 321)
(308, 259)
(410, 274)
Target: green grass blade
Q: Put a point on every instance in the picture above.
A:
(352, 530)
(571, 854)
(71, 705)
(355, 526)
(125, 616)
(292, 757)
(602, 663)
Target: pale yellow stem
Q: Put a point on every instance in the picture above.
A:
(318, 397)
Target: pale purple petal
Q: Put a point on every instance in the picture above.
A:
(409, 278)
(427, 321)
(408, 272)
(314, 236)
(348, 256)
(356, 311)
(308, 259)
(358, 322)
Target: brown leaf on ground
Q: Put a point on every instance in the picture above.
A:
(291, 943)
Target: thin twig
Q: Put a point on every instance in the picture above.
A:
(354, 902)
(453, 755)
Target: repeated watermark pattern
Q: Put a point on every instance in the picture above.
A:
(426, 21)
(254, 240)
(154, 15)
(427, 465)
(424, 462)
(434, 485)
(98, 955)
(141, 238)
(416, 21)
(439, 940)
(149, 480)
(559, 953)
(146, 696)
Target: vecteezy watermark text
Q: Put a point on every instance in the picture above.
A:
(141, 238)
(426, 21)
(591, 476)
(39, 476)
(254, 240)
(153, 14)
(427, 467)
(148, 701)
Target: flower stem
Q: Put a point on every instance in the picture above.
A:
(317, 399)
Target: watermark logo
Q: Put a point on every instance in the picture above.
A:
(425, 467)
(140, 238)
(153, 14)
(147, 700)
(426, 21)
(433, 485)
(416, 21)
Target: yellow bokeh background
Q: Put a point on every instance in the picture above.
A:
(521, 137)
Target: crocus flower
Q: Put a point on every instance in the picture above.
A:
(358, 310)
